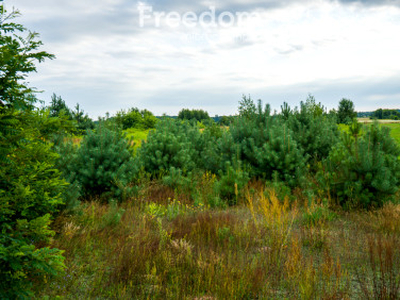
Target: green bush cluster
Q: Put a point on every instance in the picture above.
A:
(135, 118)
(171, 145)
(103, 165)
(314, 131)
(289, 147)
(363, 169)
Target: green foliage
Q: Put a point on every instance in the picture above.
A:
(225, 120)
(171, 211)
(135, 118)
(363, 170)
(314, 131)
(391, 114)
(231, 184)
(30, 191)
(59, 109)
(286, 111)
(266, 144)
(103, 164)
(346, 112)
(172, 144)
(65, 162)
(30, 186)
(18, 58)
(82, 120)
(194, 114)
(113, 216)
(247, 108)
(318, 215)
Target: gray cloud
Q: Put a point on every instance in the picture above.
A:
(99, 86)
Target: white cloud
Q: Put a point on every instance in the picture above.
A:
(106, 62)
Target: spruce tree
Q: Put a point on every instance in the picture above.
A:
(30, 186)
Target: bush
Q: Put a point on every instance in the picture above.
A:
(171, 145)
(363, 170)
(315, 132)
(65, 163)
(231, 184)
(103, 164)
(135, 118)
(266, 145)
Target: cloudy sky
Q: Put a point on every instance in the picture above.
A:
(116, 54)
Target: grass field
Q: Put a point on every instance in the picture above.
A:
(168, 243)
(395, 130)
(162, 246)
(393, 125)
(137, 136)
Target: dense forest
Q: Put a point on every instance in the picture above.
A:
(297, 203)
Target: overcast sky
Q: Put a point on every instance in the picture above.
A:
(107, 61)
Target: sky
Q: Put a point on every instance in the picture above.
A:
(165, 55)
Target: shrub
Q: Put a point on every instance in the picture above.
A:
(266, 144)
(171, 145)
(315, 132)
(104, 164)
(363, 170)
(135, 118)
(65, 163)
(231, 184)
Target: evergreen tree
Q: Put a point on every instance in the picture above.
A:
(267, 146)
(194, 114)
(171, 145)
(59, 107)
(363, 170)
(314, 131)
(30, 187)
(247, 108)
(103, 165)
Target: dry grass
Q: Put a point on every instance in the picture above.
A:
(267, 249)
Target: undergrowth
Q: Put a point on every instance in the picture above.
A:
(268, 247)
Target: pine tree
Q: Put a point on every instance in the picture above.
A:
(172, 144)
(104, 164)
(266, 144)
(363, 170)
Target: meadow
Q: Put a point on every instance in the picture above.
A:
(174, 243)
(162, 246)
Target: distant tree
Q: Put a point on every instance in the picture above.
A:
(193, 114)
(316, 109)
(135, 118)
(225, 120)
(388, 114)
(346, 112)
(247, 107)
(58, 107)
(83, 121)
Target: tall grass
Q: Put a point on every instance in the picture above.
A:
(153, 247)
